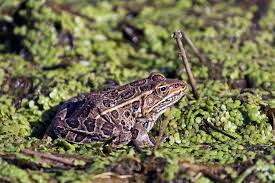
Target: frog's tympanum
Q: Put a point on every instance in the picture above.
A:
(125, 113)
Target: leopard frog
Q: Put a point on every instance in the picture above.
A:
(126, 113)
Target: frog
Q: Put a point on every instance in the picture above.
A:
(124, 113)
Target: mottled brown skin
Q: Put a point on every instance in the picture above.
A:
(126, 113)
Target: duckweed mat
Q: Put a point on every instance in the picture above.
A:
(53, 50)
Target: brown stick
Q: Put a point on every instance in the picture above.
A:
(218, 130)
(65, 161)
(195, 50)
(178, 35)
(59, 8)
(162, 129)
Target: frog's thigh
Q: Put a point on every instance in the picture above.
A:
(57, 121)
(141, 136)
(124, 137)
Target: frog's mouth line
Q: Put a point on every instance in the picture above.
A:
(172, 98)
(168, 102)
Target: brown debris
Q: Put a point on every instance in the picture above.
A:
(212, 171)
(58, 8)
(131, 33)
(49, 157)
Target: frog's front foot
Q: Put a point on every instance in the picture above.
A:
(141, 138)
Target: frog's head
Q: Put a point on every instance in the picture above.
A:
(165, 92)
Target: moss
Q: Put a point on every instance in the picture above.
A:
(18, 175)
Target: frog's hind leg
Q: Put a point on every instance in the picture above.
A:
(56, 123)
(140, 136)
(64, 111)
(58, 128)
(72, 136)
(78, 138)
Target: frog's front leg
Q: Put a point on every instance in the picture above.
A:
(147, 123)
(124, 138)
(140, 136)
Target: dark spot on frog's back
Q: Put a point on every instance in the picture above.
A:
(72, 122)
(146, 87)
(108, 103)
(128, 93)
(107, 128)
(135, 106)
(115, 114)
(138, 82)
(90, 124)
(127, 114)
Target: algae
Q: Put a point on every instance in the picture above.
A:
(53, 50)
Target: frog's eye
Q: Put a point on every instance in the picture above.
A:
(163, 89)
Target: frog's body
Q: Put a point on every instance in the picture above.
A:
(126, 113)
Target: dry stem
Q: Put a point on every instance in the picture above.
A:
(161, 132)
(47, 156)
(195, 50)
(178, 35)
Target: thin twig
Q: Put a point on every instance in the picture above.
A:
(213, 69)
(218, 130)
(195, 50)
(162, 129)
(65, 161)
(178, 35)
(59, 8)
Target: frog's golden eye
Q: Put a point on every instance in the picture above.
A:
(163, 89)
